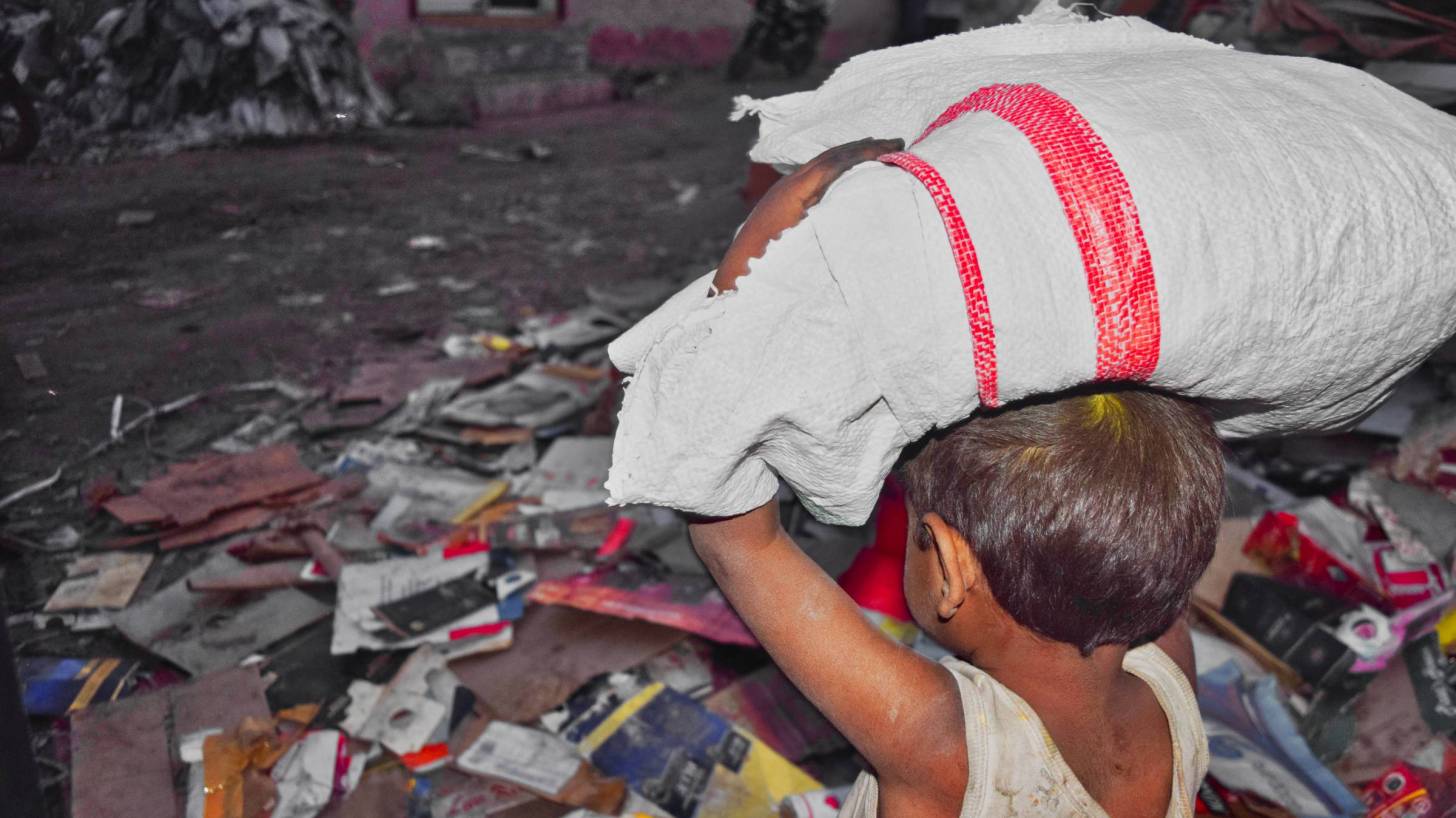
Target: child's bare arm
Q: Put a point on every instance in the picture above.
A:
(900, 710)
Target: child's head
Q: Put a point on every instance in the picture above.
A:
(1088, 517)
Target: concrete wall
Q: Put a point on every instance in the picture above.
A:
(702, 33)
(665, 33)
(373, 19)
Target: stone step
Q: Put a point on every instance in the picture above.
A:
(466, 102)
(465, 53)
(454, 75)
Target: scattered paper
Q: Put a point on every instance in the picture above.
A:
(363, 586)
(100, 581)
(306, 773)
(521, 755)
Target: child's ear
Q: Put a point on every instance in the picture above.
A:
(959, 571)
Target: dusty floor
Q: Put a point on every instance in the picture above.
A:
(265, 261)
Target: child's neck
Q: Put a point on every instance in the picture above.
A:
(1105, 722)
(1060, 684)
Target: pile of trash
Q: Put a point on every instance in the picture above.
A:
(400, 592)
(163, 75)
(1326, 623)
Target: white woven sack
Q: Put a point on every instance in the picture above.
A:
(1273, 235)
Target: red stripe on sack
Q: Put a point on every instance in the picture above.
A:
(1101, 212)
(978, 310)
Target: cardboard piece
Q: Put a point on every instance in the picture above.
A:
(100, 581)
(134, 510)
(125, 755)
(225, 523)
(218, 700)
(688, 761)
(558, 649)
(194, 491)
(307, 673)
(205, 632)
(240, 519)
(377, 388)
(689, 603)
(121, 760)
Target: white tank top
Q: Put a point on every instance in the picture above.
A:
(1016, 769)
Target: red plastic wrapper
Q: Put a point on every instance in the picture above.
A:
(1405, 791)
(1312, 545)
(1403, 582)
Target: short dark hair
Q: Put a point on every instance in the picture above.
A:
(1092, 513)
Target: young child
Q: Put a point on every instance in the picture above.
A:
(1053, 547)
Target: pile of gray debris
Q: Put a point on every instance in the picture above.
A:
(155, 76)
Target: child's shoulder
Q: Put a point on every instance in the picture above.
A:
(1015, 766)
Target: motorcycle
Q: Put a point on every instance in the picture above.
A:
(786, 32)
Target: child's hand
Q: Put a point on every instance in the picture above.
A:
(786, 202)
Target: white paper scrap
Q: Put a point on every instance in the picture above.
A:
(362, 586)
(305, 775)
(521, 755)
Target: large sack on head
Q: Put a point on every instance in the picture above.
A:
(1078, 202)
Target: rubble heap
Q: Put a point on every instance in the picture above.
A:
(164, 75)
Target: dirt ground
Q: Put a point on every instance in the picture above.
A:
(266, 261)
